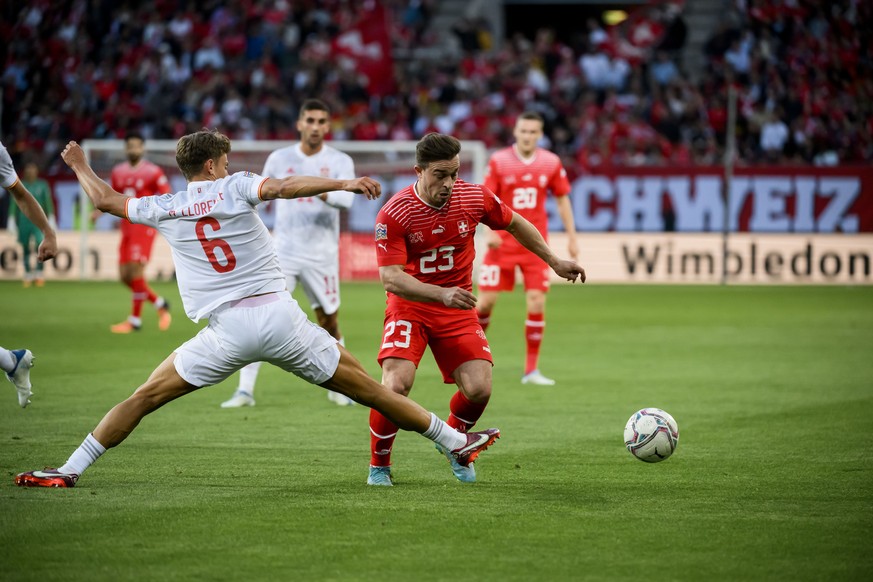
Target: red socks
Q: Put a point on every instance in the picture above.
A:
(464, 413)
(382, 433)
(141, 292)
(533, 334)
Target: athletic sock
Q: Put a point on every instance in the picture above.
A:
(533, 334)
(7, 360)
(247, 377)
(82, 458)
(160, 303)
(150, 294)
(138, 286)
(464, 413)
(484, 319)
(442, 434)
(382, 433)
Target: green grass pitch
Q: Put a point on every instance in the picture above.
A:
(772, 388)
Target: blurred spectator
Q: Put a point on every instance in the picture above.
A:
(801, 69)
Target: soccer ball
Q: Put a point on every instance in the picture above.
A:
(651, 435)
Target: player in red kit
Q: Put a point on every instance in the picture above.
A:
(521, 176)
(425, 251)
(137, 178)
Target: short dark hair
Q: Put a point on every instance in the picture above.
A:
(532, 115)
(436, 147)
(133, 135)
(194, 149)
(313, 105)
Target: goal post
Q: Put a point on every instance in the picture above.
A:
(389, 162)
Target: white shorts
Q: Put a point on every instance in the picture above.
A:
(320, 283)
(268, 328)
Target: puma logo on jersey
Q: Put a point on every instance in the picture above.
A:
(439, 229)
(383, 246)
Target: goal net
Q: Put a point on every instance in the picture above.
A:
(389, 162)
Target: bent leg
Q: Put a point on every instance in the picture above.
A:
(164, 384)
(352, 380)
(474, 390)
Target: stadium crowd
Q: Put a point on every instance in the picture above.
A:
(612, 96)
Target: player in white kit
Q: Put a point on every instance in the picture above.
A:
(17, 363)
(228, 272)
(306, 231)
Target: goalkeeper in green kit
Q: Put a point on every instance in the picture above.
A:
(29, 236)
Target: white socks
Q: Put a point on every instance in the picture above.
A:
(88, 452)
(7, 360)
(247, 377)
(441, 433)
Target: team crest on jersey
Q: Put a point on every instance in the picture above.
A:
(543, 180)
(381, 231)
(325, 172)
(463, 227)
(416, 237)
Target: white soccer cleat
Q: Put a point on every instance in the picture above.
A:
(537, 379)
(239, 400)
(20, 375)
(339, 399)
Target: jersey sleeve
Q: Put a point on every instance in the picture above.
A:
(559, 184)
(142, 210)
(247, 186)
(269, 166)
(390, 241)
(497, 215)
(345, 171)
(8, 177)
(492, 181)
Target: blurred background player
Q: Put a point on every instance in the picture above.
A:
(521, 175)
(17, 363)
(242, 292)
(306, 231)
(136, 178)
(425, 250)
(29, 236)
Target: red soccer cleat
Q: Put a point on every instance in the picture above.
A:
(48, 477)
(476, 443)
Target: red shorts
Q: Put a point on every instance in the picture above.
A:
(136, 244)
(454, 338)
(497, 272)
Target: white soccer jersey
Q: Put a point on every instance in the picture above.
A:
(8, 177)
(221, 249)
(307, 229)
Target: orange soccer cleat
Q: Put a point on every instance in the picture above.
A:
(124, 327)
(164, 317)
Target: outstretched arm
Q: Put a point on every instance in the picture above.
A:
(101, 194)
(396, 281)
(25, 201)
(531, 239)
(303, 186)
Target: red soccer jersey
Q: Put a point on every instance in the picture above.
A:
(143, 179)
(523, 185)
(435, 245)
